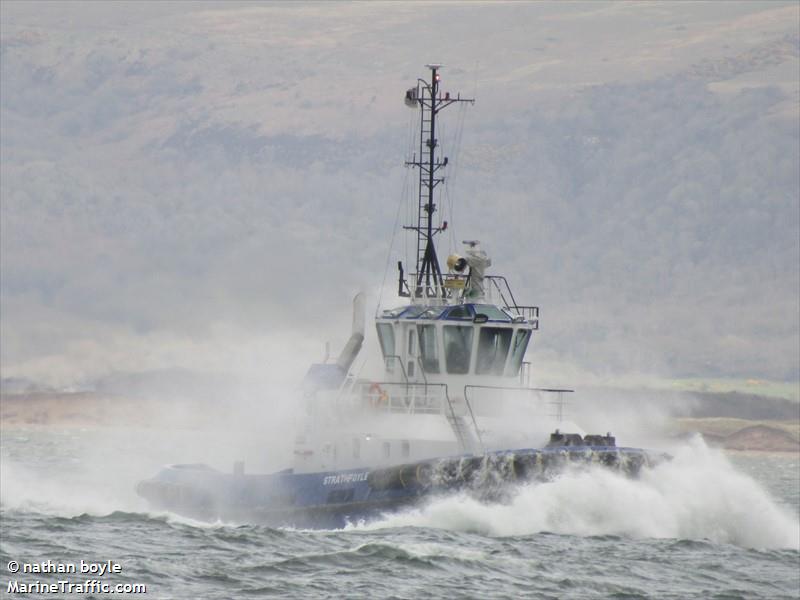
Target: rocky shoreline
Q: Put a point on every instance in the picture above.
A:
(743, 434)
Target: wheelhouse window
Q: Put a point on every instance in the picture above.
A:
(412, 312)
(386, 337)
(518, 348)
(458, 348)
(494, 313)
(493, 344)
(432, 313)
(406, 312)
(461, 311)
(428, 349)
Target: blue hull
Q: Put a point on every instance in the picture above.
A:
(330, 500)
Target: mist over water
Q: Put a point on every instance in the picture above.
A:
(68, 471)
(698, 525)
(698, 494)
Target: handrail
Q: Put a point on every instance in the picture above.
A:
(462, 441)
(422, 370)
(474, 422)
(412, 399)
(530, 312)
(410, 383)
(402, 366)
(514, 388)
(493, 279)
(453, 413)
(559, 391)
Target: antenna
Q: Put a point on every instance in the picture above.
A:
(426, 95)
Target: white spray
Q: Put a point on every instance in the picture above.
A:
(697, 495)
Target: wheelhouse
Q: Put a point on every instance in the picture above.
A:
(463, 339)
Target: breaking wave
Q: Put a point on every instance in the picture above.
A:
(697, 495)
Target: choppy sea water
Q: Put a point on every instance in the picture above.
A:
(704, 525)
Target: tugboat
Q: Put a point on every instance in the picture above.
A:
(453, 410)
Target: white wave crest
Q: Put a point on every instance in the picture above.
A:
(697, 495)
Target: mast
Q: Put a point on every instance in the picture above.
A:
(429, 281)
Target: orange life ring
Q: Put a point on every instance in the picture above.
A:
(377, 395)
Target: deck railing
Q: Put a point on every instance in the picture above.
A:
(394, 397)
(484, 399)
(435, 398)
(499, 292)
(496, 289)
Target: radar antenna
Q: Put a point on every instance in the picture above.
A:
(429, 281)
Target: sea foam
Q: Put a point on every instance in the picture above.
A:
(696, 495)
